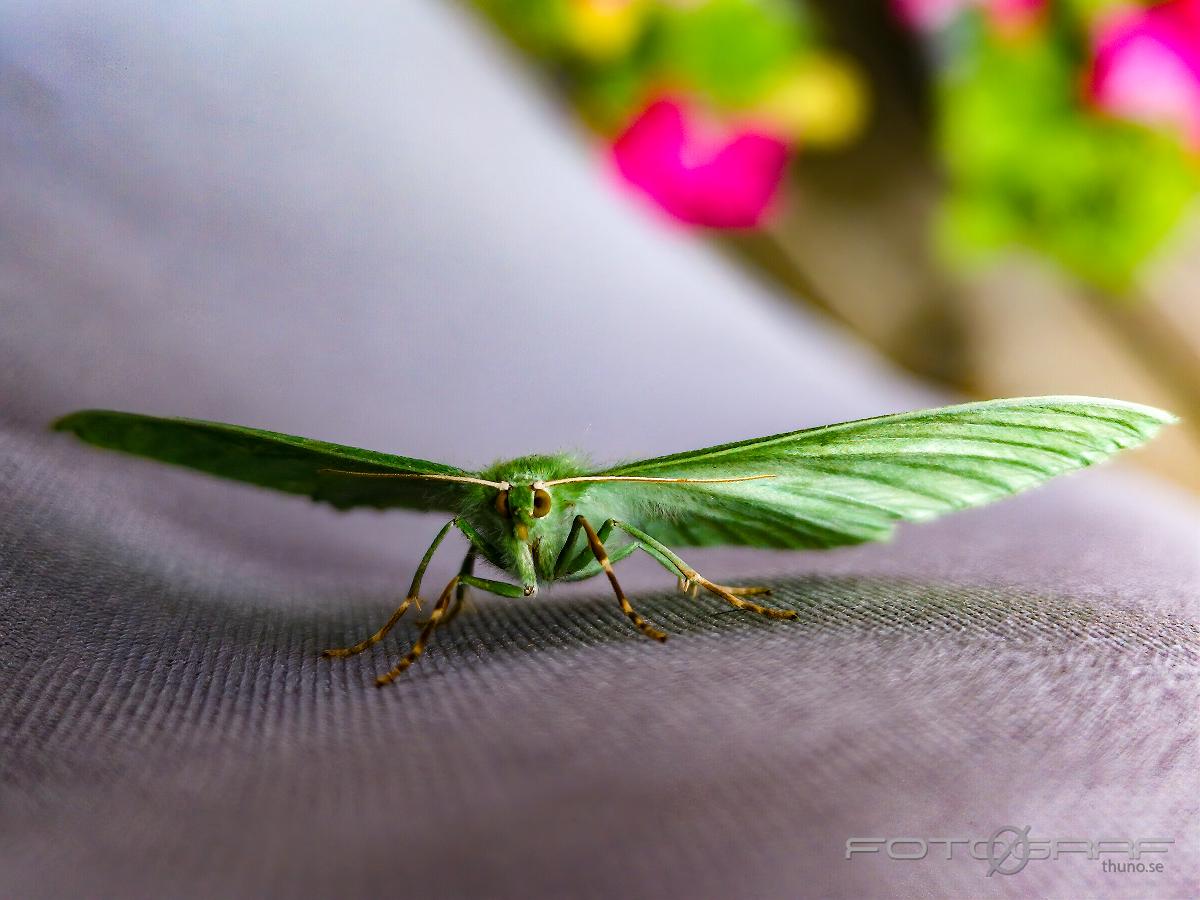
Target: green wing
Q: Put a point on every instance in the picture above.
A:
(269, 459)
(850, 483)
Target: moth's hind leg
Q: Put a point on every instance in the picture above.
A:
(735, 599)
(692, 589)
(690, 580)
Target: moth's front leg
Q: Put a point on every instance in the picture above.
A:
(597, 547)
(413, 596)
(570, 561)
(581, 565)
(460, 592)
(478, 547)
(439, 611)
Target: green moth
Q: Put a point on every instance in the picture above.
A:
(549, 518)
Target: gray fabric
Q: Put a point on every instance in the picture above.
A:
(369, 226)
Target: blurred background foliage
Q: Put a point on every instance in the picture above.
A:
(1001, 195)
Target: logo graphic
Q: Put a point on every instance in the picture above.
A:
(1009, 850)
(1016, 853)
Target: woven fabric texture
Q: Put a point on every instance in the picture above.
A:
(370, 227)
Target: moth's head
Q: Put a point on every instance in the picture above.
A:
(525, 514)
(523, 506)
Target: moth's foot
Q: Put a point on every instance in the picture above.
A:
(649, 630)
(435, 619)
(639, 623)
(412, 656)
(769, 612)
(653, 633)
(389, 677)
(691, 587)
(733, 596)
(354, 649)
(401, 667)
(753, 591)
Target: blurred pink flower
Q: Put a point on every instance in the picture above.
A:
(1147, 66)
(1010, 17)
(700, 171)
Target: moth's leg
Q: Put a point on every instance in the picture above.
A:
(439, 613)
(676, 566)
(478, 547)
(661, 552)
(480, 543)
(412, 597)
(584, 564)
(571, 562)
(591, 567)
(460, 592)
(691, 588)
(602, 557)
(685, 585)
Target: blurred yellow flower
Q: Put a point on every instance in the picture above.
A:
(821, 101)
(601, 30)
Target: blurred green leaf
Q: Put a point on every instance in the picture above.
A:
(608, 95)
(537, 26)
(1030, 165)
(731, 50)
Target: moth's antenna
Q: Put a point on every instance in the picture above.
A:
(461, 479)
(580, 478)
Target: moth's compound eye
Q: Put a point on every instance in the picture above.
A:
(541, 503)
(502, 503)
